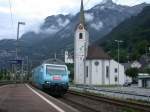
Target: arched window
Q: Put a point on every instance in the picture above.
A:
(80, 36)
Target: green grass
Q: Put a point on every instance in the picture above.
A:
(129, 110)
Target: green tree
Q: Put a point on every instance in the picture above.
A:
(71, 69)
(132, 72)
(141, 46)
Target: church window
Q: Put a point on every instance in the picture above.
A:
(80, 36)
(96, 63)
(87, 71)
(107, 71)
(116, 70)
(116, 79)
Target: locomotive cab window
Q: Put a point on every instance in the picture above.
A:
(55, 70)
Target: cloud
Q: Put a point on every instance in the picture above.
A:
(89, 17)
(32, 26)
(97, 26)
(54, 28)
(131, 2)
(50, 30)
(63, 23)
(33, 12)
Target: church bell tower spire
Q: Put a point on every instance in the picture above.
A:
(82, 17)
(81, 42)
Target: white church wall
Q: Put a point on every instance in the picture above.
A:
(80, 54)
(107, 72)
(88, 73)
(79, 71)
(114, 73)
(96, 72)
(104, 73)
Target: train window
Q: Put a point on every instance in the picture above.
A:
(55, 70)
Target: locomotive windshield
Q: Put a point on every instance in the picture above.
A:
(56, 70)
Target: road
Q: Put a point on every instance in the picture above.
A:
(23, 98)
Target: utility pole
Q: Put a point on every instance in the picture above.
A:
(27, 75)
(118, 43)
(19, 23)
(17, 43)
(55, 56)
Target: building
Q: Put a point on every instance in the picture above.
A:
(101, 69)
(144, 80)
(92, 65)
(136, 64)
(81, 43)
(68, 58)
(145, 61)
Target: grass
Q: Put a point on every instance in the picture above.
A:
(129, 110)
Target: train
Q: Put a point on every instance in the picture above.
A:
(53, 78)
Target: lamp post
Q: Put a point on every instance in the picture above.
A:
(19, 23)
(118, 43)
(18, 27)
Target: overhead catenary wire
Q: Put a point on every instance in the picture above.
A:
(11, 13)
(87, 3)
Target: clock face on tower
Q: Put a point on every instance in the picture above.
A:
(81, 27)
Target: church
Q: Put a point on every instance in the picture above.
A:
(92, 66)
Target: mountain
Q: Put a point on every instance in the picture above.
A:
(57, 32)
(135, 34)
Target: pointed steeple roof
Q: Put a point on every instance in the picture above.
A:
(82, 17)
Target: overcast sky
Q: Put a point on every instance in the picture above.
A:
(33, 12)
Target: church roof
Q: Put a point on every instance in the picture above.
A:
(82, 17)
(96, 52)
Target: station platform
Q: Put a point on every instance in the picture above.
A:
(25, 98)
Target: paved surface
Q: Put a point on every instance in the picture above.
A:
(23, 98)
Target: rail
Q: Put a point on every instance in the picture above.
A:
(123, 103)
(122, 94)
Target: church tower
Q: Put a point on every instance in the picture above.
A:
(81, 42)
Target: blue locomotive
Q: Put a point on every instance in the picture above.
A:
(51, 77)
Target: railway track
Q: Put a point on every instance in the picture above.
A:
(87, 102)
(7, 82)
(81, 107)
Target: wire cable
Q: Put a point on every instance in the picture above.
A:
(10, 7)
(87, 3)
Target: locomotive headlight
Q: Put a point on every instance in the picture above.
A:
(47, 82)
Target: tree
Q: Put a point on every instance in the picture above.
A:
(132, 72)
(71, 69)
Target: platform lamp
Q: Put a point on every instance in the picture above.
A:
(18, 30)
